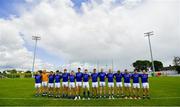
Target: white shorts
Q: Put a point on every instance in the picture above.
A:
(65, 84)
(44, 84)
(102, 84)
(37, 85)
(145, 85)
(110, 84)
(86, 85)
(57, 85)
(94, 84)
(72, 85)
(136, 85)
(119, 84)
(50, 85)
(79, 84)
(127, 84)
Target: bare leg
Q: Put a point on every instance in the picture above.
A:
(101, 90)
(104, 88)
(109, 89)
(121, 89)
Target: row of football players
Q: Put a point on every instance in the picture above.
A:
(74, 83)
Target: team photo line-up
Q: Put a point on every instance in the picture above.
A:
(76, 85)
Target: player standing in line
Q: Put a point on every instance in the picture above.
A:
(119, 86)
(86, 92)
(44, 82)
(57, 84)
(127, 84)
(51, 84)
(110, 77)
(38, 81)
(79, 76)
(136, 85)
(145, 84)
(65, 76)
(94, 77)
(102, 84)
(72, 88)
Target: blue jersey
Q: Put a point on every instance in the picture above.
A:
(57, 78)
(79, 76)
(37, 78)
(110, 77)
(102, 76)
(127, 78)
(118, 77)
(86, 77)
(65, 77)
(135, 77)
(72, 78)
(51, 78)
(94, 77)
(144, 78)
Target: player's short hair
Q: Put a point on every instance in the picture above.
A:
(79, 68)
(40, 71)
(110, 69)
(36, 72)
(135, 70)
(57, 71)
(65, 69)
(145, 70)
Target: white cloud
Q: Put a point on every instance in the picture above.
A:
(11, 45)
(13, 54)
(103, 32)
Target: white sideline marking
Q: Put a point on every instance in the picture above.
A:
(81, 99)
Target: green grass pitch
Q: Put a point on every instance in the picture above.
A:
(164, 91)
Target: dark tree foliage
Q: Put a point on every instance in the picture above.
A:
(141, 64)
(158, 65)
(144, 64)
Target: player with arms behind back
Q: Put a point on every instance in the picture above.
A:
(44, 75)
(51, 84)
(86, 92)
(102, 83)
(127, 84)
(119, 86)
(145, 84)
(94, 77)
(72, 88)
(79, 76)
(65, 76)
(38, 81)
(57, 84)
(136, 85)
(110, 77)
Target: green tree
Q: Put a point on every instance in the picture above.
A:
(176, 62)
(158, 65)
(178, 69)
(13, 71)
(4, 72)
(28, 72)
(141, 64)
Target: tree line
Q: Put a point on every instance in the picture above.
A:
(138, 64)
(145, 64)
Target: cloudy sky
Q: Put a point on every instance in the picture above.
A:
(87, 32)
